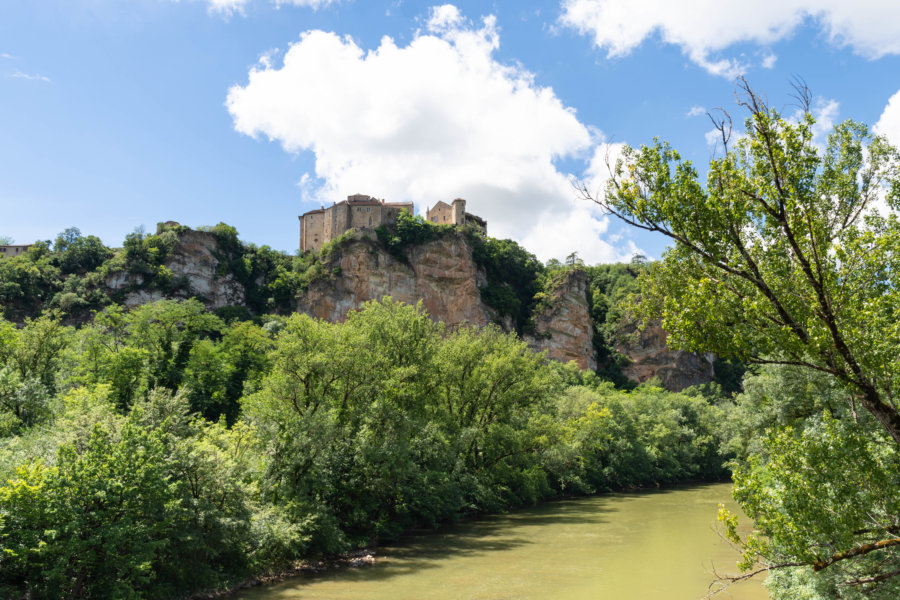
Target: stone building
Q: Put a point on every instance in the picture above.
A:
(455, 214)
(356, 212)
(11, 250)
(360, 211)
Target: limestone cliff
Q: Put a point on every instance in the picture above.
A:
(194, 266)
(444, 276)
(562, 325)
(651, 357)
(440, 273)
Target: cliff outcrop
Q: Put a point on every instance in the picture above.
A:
(195, 272)
(562, 323)
(440, 273)
(651, 357)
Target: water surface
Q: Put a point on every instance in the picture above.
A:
(635, 546)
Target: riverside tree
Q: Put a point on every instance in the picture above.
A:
(789, 256)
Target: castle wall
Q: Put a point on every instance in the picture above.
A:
(312, 230)
(459, 212)
(357, 212)
(441, 213)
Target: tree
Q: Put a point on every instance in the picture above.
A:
(788, 256)
(781, 258)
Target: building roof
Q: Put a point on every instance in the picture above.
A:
(317, 210)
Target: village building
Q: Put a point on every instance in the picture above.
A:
(360, 212)
(455, 214)
(11, 250)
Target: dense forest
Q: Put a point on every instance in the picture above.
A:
(160, 451)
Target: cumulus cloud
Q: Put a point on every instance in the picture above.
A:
(434, 120)
(889, 123)
(705, 28)
(444, 18)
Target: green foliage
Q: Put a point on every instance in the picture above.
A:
(408, 231)
(160, 451)
(612, 291)
(151, 506)
(513, 278)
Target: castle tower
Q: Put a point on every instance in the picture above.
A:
(459, 211)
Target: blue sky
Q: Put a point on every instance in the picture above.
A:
(117, 114)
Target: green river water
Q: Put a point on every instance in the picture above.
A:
(631, 546)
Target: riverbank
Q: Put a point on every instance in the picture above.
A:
(636, 544)
(366, 557)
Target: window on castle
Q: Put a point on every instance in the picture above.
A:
(368, 209)
(370, 220)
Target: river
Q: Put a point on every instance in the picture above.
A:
(642, 545)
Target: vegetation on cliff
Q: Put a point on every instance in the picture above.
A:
(75, 274)
(160, 451)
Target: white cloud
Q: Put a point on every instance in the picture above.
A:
(705, 28)
(444, 18)
(889, 123)
(314, 4)
(7, 56)
(30, 76)
(825, 111)
(434, 120)
(713, 138)
(768, 61)
(695, 111)
(228, 8)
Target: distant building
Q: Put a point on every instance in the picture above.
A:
(455, 214)
(356, 212)
(360, 211)
(12, 250)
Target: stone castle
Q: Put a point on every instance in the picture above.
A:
(360, 211)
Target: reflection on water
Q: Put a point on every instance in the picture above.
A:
(637, 545)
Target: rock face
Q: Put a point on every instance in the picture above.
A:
(651, 357)
(440, 273)
(563, 328)
(443, 275)
(193, 260)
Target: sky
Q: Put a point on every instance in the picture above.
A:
(118, 114)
